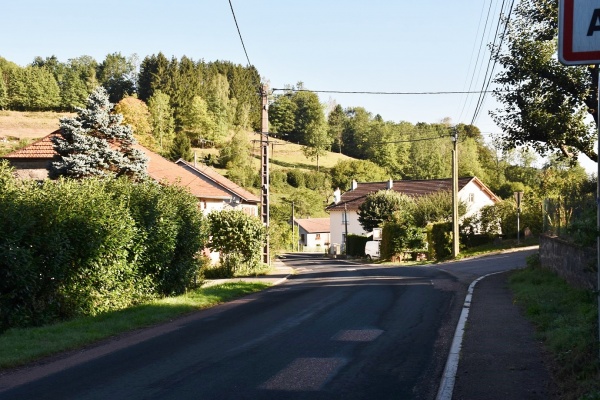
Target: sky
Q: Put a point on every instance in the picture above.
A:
(329, 45)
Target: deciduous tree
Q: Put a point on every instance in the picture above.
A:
(545, 105)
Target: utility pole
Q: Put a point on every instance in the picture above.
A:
(294, 243)
(346, 229)
(455, 244)
(264, 171)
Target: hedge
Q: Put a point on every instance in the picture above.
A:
(85, 247)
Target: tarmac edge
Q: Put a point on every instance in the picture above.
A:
(446, 387)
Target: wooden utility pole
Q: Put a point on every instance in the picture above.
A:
(455, 243)
(264, 170)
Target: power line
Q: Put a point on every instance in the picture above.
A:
(414, 140)
(485, 89)
(378, 93)
(239, 33)
(476, 65)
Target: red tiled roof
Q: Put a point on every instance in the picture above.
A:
(221, 181)
(40, 149)
(163, 170)
(159, 168)
(314, 225)
(352, 199)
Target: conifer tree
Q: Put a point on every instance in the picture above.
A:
(181, 148)
(96, 143)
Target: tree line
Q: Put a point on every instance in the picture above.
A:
(202, 99)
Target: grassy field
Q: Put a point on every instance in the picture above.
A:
(20, 346)
(17, 127)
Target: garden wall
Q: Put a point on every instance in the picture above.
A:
(575, 264)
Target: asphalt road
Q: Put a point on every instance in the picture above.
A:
(335, 330)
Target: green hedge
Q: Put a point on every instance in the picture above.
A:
(439, 236)
(356, 245)
(84, 247)
(397, 239)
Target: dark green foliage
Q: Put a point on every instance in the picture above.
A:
(181, 148)
(84, 247)
(344, 172)
(380, 207)
(117, 75)
(356, 245)
(278, 178)
(296, 178)
(315, 180)
(439, 237)
(400, 238)
(239, 238)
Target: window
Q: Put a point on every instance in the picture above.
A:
(471, 197)
(317, 236)
(302, 238)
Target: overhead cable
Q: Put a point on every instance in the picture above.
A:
(239, 33)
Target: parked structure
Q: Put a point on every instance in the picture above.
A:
(343, 212)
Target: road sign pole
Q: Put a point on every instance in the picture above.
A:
(598, 202)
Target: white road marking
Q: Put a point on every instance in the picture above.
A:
(449, 376)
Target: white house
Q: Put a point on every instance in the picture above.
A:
(343, 212)
(313, 234)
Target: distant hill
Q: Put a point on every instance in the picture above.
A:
(16, 126)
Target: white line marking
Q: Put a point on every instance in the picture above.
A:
(449, 376)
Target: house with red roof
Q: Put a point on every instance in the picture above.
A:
(343, 212)
(313, 234)
(213, 191)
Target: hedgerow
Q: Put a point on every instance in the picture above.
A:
(85, 247)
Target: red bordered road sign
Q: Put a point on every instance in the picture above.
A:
(579, 32)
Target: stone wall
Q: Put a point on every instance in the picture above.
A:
(575, 264)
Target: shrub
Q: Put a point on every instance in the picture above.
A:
(84, 247)
(239, 238)
(439, 237)
(296, 178)
(398, 238)
(356, 245)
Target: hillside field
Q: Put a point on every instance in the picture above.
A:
(16, 126)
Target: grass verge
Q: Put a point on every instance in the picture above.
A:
(23, 345)
(566, 322)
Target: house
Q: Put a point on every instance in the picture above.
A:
(313, 234)
(343, 212)
(213, 191)
(240, 197)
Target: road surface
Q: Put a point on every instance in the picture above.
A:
(334, 330)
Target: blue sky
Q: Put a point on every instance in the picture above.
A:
(349, 45)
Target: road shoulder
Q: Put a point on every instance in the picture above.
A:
(500, 357)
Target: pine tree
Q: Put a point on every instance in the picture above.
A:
(181, 148)
(96, 143)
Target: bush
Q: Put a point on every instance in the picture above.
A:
(356, 245)
(296, 178)
(439, 237)
(398, 238)
(84, 247)
(239, 238)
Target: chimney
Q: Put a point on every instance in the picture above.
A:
(354, 184)
(337, 196)
(390, 184)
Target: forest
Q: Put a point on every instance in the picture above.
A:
(174, 105)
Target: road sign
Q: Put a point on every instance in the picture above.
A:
(579, 32)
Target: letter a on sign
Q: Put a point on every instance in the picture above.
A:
(579, 32)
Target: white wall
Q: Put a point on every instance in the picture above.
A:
(338, 228)
(479, 198)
